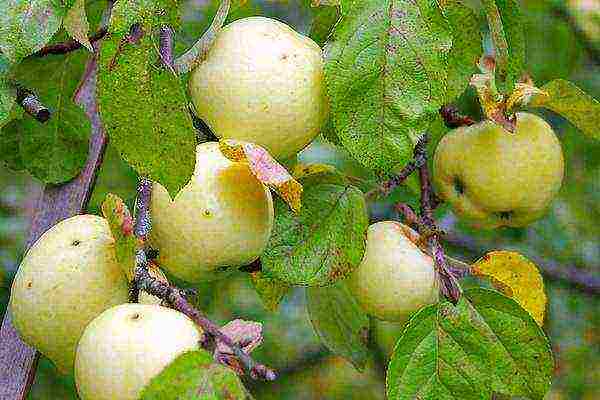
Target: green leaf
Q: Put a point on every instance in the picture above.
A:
(148, 13)
(566, 99)
(486, 343)
(194, 376)
(8, 94)
(76, 23)
(270, 290)
(323, 20)
(340, 322)
(144, 110)
(466, 46)
(325, 241)
(386, 68)
(27, 25)
(121, 225)
(54, 151)
(507, 29)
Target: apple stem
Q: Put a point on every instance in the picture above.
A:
(449, 284)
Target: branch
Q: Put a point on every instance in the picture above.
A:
(177, 300)
(32, 104)
(70, 45)
(450, 287)
(143, 221)
(453, 118)
(165, 47)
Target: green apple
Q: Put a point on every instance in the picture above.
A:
(262, 82)
(123, 348)
(222, 218)
(68, 277)
(493, 177)
(395, 277)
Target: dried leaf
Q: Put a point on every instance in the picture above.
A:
(121, 224)
(265, 168)
(517, 277)
(246, 334)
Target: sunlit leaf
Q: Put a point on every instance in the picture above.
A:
(76, 23)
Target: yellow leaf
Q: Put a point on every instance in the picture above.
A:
(517, 277)
(265, 168)
(304, 170)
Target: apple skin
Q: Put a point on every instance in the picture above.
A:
(395, 277)
(68, 277)
(123, 348)
(263, 83)
(494, 178)
(220, 220)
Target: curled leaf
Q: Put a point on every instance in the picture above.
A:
(121, 224)
(246, 334)
(265, 168)
(517, 277)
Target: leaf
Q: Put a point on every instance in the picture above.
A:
(26, 26)
(270, 290)
(246, 334)
(323, 20)
(507, 30)
(76, 23)
(198, 52)
(516, 277)
(144, 110)
(386, 68)
(486, 343)
(466, 46)
(148, 13)
(265, 168)
(305, 170)
(340, 322)
(193, 376)
(8, 95)
(55, 151)
(322, 243)
(121, 225)
(566, 99)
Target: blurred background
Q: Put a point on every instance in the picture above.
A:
(563, 41)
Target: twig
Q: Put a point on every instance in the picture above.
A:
(453, 118)
(449, 285)
(143, 220)
(32, 104)
(419, 159)
(70, 45)
(165, 47)
(174, 297)
(498, 36)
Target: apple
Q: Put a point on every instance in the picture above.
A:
(262, 82)
(123, 348)
(220, 220)
(395, 277)
(68, 277)
(493, 177)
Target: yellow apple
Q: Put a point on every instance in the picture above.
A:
(262, 82)
(68, 277)
(493, 178)
(123, 348)
(395, 277)
(222, 218)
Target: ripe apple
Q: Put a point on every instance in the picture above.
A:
(395, 277)
(262, 82)
(123, 348)
(493, 178)
(222, 218)
(68, 277)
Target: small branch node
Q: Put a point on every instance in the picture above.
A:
(32, 104)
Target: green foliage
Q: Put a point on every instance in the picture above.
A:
(340, 322)
(507, 30)
(322, 243)
(7, 93)
(486, 343)
(386, 68)
(566, 99)
(194, 376)
(76, 23)
(54, 151)
(270, 290)
(466, 46)
(27, 25)
(149, 13)
(324, 18)
(144, 110)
